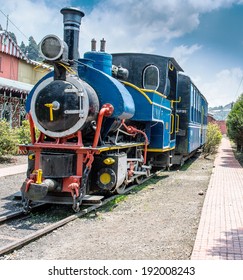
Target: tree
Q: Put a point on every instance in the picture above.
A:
(12, 35)
(23, 47)
(33, 50)
(235, 123)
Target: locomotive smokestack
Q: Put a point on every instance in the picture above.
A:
(72, 21)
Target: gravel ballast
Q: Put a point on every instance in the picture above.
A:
(158, 222)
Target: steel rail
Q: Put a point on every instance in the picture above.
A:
(39, 233)
(17, 214)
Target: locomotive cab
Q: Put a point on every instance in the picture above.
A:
(156, 99)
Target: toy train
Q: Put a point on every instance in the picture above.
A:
(105, 120)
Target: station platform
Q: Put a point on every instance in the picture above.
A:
(12, 170)
(220, 232)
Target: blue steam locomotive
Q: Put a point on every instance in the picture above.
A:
(105, 121)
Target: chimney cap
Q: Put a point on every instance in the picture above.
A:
(73, 10)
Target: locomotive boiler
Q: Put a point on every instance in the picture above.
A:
(104, 120)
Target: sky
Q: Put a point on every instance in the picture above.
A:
(204, 36)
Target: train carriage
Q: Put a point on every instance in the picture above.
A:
(192, 114)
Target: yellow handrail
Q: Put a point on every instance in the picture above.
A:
(175, 101)
(177, 122)
(39, 66)
(139, 90)
(68, 68)
(154, 91)
(172, 124)
(142, 91)
(171, 66)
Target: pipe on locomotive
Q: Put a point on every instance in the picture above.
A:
(72, 21)
(56, 51)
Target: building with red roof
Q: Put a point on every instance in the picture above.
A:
(18, 74)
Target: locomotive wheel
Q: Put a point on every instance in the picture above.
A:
(120, 189)
(139, 180)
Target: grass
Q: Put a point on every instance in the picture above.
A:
(113, 203)
(238, 155)
(122, 197)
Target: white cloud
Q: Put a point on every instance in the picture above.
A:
(33, 18)
(209, 5)
(131, 25)
(183, 52)
(136, 26)
(224, 88)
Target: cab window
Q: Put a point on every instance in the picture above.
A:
(151, 77)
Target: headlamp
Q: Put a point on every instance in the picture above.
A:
(53, 48)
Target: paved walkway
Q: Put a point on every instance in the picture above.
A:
(220, 232)
(17, 169)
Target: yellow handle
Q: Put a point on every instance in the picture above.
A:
(50, 106)
(172, 124)
(175, 101)
(39, 176)
(177, 122)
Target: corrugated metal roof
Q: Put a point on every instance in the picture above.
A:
(8, 46)
(15, 85)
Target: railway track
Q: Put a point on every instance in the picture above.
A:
(15, 242)
(18, 214)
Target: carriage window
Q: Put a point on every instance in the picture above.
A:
(151, 77)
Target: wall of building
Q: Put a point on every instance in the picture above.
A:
(12, 93)
(30, 73)
(17, 77)
(15, 65)
(211, 119)
(8, 66)
(221, 124)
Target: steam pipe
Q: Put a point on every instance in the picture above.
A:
(102, 45)
(72, 21)
(93, 45)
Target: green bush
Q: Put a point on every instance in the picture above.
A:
(8, 139)
(213, 139)
(11, 138)
(23, 133)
